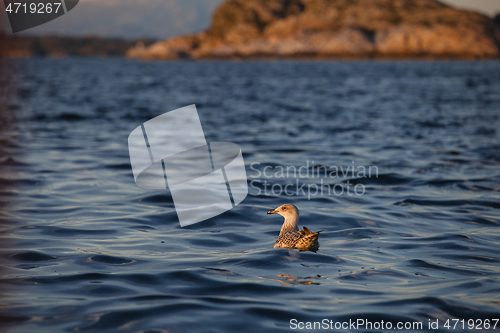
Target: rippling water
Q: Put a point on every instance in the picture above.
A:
(85, 249)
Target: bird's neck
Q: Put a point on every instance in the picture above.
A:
(290, 224)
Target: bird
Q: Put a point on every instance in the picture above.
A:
(290, 236)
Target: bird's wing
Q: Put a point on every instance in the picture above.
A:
(308, 241)
(306, 231)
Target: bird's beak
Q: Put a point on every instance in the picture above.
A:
(272, 211)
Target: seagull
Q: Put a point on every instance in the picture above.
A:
(290, 236)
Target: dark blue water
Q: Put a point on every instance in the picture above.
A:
(84, 249)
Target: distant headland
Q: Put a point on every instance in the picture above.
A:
(334, 29)
(55, 46)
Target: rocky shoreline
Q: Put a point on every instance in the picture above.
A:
(334, 29)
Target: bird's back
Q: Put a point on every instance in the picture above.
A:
(302, 240)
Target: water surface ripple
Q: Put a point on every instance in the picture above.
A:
(84, 249)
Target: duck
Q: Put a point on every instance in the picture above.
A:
(290, 236)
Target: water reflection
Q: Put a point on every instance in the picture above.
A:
(290, 280)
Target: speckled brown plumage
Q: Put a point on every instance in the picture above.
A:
(302, 239)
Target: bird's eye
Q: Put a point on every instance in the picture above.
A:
(284, 208)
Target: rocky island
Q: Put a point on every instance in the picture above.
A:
(334, 29)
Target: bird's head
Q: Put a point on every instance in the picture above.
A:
(286, 210)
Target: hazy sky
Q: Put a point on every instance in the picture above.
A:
(489, 7)
(160, 19)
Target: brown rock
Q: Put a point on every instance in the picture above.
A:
(173, 48)
(335, 28)
(415, 39)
